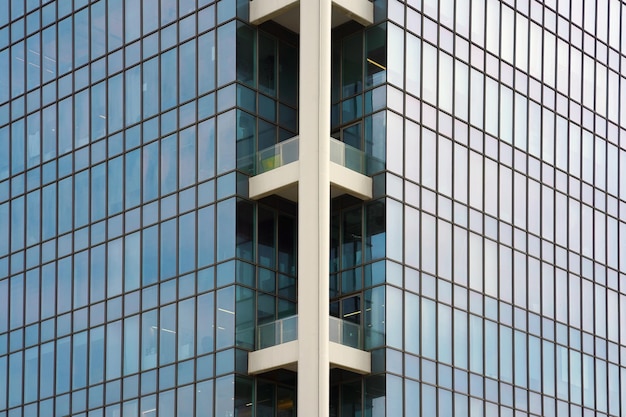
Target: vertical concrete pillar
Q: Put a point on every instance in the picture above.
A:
(314, 208)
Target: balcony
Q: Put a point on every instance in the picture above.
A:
(278, 171)
(277, 332)
(347, 156)
(286, 152)
(287, 12)
(277, 346)
(282, 153)
(345, 333)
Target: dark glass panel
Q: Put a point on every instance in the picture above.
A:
(267, 64)
(206, 236)
(246, 146)
(352, 239)
(266, 237)
(287, 232)
(245, 317)
(376, 55)
(352, 67)
(288, 74)
(245, 230)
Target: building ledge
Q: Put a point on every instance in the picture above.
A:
(278, 171)
(349, 358)
(287, 12)
(360, 10)
(264, 10)
(284, 355)
(346, 181)
(282, 181)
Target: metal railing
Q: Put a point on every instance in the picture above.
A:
(278, 155)
(345, 332)
(277, 332)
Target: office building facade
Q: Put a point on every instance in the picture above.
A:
(312, 208)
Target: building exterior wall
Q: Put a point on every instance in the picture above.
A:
(505, 161)
(488, 272)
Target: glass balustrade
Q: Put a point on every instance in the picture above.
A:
(286, 152)
(286, 330)
(347, 156)
(345, 332)
(277, 332)
(278, 155)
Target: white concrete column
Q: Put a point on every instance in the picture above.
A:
(314, 208)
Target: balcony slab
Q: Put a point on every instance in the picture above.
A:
(349, 358)
(287, 12)
(282, 181)
(264, 10)
(284, 355)
(346, 181)
(360, 10)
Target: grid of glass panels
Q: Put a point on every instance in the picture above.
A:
(358, 95)
(507, 175)
(504, 206)
(118, 145)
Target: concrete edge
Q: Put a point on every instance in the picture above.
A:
(349, 358)
(360, 10)
(284, 355)
(271, 182)
(264, 10)
(353, 183)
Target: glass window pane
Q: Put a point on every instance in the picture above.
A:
(114, 350)
(226, 57)
(186, 243)
(97, 274)
(168, 252)
(206, 325)
(352, 68)
(395, 56)
(96, 355)
(225, 318)
(167, 334)
(149, 337)
(150, 255)
(169, 70)
(429, 74)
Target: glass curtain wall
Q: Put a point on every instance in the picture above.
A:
(128, 257)
(505, 137)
